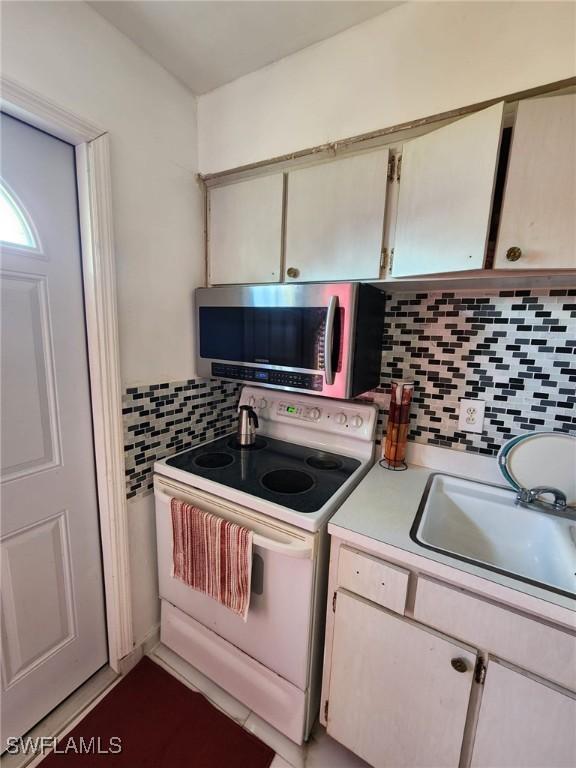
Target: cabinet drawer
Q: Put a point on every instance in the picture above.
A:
(540, 648)
(373, 579)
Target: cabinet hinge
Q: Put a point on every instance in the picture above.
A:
(480, 671)
(398, 167)
(326, 710)
(391, 166)
(334, 602)
(391, 260)
(383, 259)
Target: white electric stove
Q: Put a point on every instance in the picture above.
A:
(309, 455)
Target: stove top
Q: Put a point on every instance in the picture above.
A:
(295, 476)
(310, 452)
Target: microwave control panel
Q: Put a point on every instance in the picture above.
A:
(293, 379)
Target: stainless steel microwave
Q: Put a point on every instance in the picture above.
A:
(321, 338)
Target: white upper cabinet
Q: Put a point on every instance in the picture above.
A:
(537, 228)
(335, 219)
(245, 231)
(445, 197)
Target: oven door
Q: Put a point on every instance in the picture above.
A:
(278, 628)
(294, 337)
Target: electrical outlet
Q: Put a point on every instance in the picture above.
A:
(471, 415)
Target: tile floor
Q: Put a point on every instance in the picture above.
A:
(320, 752)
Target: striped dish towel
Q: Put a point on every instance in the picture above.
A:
(212, 555)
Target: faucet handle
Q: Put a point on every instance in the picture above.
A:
(560, 501)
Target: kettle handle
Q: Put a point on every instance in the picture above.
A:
(253, 415)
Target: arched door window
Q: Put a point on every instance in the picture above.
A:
(15, 228)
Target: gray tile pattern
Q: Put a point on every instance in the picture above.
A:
(161, 419)
(514, 349)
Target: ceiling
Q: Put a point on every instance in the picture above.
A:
(206, 43)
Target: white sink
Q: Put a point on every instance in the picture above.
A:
(482, 524)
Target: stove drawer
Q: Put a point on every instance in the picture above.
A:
(373, 579)
(277, 701)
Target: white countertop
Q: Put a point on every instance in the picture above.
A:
(379, 514)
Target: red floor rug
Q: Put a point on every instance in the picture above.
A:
(158, 723)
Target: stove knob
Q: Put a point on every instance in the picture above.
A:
(340, 418)
(263, 403)
(314, 413)
(357, 421)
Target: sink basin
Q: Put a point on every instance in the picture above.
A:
(481, 524)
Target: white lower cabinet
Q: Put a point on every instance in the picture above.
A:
(523, 723)
(442, 676)
(398, 693)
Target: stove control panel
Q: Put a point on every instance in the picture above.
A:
(338, 425)
(296, 410)
(312, 413)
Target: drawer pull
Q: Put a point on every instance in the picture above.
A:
(459, 664)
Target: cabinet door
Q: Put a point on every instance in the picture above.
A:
(335, 218)
(523, 723)
(245, 231)
(445, 197)
(395, 698)
(540, 194)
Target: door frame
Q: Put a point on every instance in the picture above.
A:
(92, 150)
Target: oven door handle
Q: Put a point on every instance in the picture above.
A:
(296, 550)
(329, 339)
(282, 548)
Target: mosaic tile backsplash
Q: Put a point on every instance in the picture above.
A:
(514, 349)
(161, 419)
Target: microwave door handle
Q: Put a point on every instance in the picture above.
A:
(329, 338)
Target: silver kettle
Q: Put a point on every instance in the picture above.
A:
(247, 425)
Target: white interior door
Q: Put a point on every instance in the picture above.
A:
(395, 697)
(245, 231)
(53, 623)
(540, 195)
(523, 723)
(445, 197)
(335, 218)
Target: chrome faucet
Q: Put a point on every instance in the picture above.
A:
(531, 497)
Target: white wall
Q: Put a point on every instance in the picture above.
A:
(68, 53)
(417, 60)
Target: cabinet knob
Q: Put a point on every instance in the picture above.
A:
(514, 253)
(293, 272)
(459, 664)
